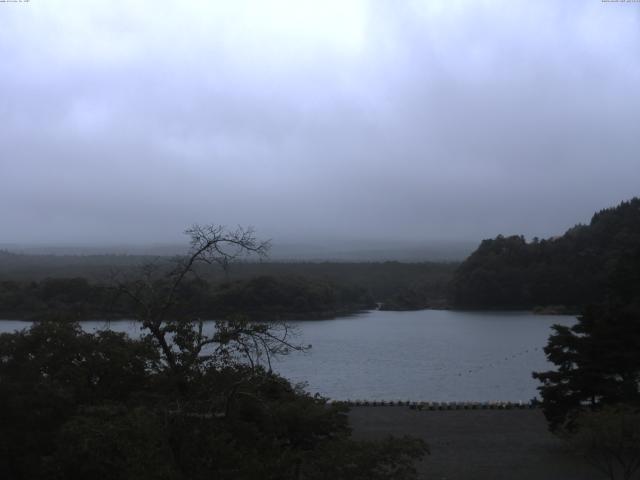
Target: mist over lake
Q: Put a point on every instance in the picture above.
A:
(240, 237)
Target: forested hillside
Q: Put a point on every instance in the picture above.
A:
(578, 268)
(33, 286)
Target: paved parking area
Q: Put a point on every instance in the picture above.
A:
(478, 444)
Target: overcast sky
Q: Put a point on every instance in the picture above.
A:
(127, 121)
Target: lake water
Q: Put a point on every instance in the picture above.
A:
(426, 355)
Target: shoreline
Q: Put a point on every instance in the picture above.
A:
(315, 316)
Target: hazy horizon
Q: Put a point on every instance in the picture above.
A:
(415, 122)
(328, 250)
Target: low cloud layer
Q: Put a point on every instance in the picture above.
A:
(126, 121)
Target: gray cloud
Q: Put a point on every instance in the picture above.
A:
(127, 121)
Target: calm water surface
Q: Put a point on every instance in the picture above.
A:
(426, 355)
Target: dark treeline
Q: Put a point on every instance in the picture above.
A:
(23, 267)
(258, 290)
(573, 270)
(77, 405)
(591, 397)
(398, 285)
(178, 403)
(564, 273)
(262, 297)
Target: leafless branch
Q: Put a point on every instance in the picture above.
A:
(155, 290)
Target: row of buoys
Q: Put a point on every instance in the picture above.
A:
(439, 405)
(493, 364)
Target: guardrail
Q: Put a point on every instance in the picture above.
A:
(440, 405)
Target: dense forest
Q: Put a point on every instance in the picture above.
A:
(568, 272)
(80, 287)
(591, 397)
(263, 297)
(176, 403)
(559, 274)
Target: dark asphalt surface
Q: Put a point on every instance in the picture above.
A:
(478, 444)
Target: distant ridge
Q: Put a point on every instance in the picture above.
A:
(351, 251)
(91, 250)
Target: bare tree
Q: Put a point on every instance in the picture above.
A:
(185, 346)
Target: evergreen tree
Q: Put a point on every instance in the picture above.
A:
(573, 270)
(598, 364)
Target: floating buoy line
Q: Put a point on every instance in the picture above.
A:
(496, 405)
(498, 362)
